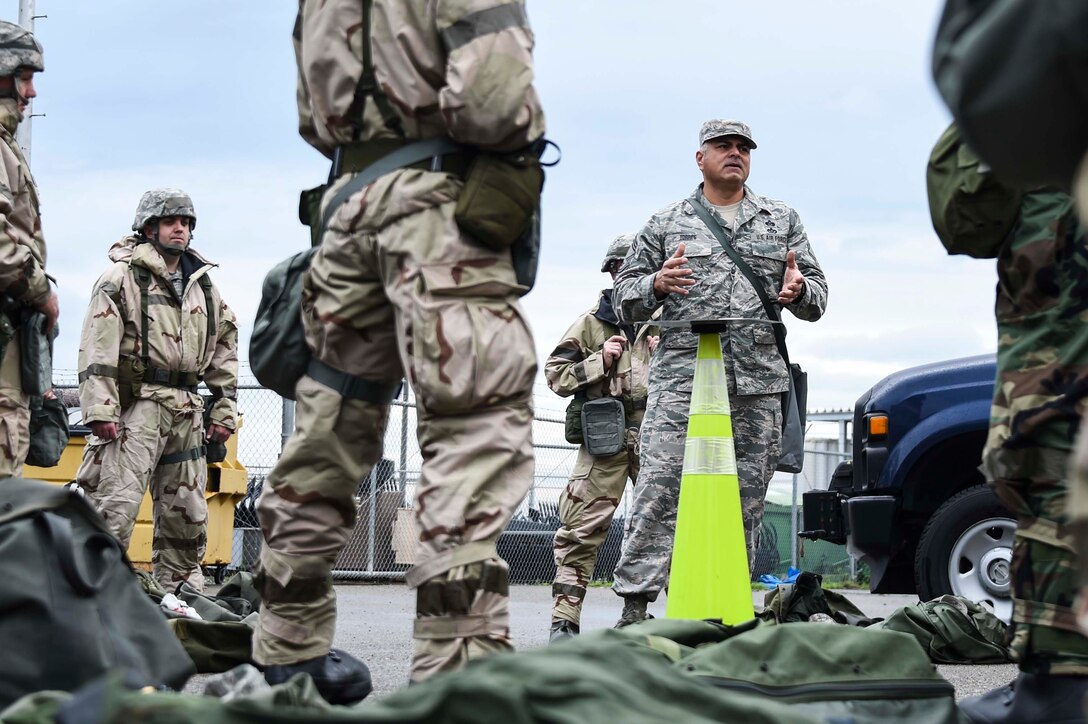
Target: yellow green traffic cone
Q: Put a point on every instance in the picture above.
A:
(709, 575)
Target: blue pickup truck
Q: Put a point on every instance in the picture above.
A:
(911, 504)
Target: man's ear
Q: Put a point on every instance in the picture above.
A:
(151, 230)
(699, 159)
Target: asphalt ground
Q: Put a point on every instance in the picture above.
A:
(375, 624)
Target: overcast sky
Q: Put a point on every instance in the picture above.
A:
(200, 95)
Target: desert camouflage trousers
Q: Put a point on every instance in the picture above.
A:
(14, 415)
(408, 298)
(586, 508)
(158, 448)
(1031, 482)
(643, 568)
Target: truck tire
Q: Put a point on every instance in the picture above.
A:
(966, 550)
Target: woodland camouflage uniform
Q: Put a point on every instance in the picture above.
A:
(596, 484)
(160, 426)
(1039, 398)
(22, 250)
(764, 231)
(396, 290)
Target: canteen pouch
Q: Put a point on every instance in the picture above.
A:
(603, 426)
(572, 425)
(500, 197)
(130, 380)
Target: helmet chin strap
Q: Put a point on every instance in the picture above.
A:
(165, 250)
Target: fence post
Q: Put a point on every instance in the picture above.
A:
(793, 524)
(287, 422)
(404, 440)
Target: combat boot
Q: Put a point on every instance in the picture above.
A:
(339, 677)
(634, 610)
(563, 629)
(1030, 698)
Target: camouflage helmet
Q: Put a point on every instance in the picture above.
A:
(18, 49)
(157, 203)
(617, 250)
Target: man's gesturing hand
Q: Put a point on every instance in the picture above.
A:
(613, 348)
(793, 283)
(675, 275)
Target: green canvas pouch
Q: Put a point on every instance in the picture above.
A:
(501, 194)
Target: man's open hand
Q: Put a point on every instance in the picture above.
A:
(675, 275)
(793, 283)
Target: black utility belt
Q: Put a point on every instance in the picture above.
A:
(181, 379)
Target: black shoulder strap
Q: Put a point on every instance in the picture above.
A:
(143, 279)
(368, 83)
(206, 285)
(716, 229)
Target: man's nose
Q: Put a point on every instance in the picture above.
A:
(31, 91)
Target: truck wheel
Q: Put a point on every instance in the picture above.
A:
(966, 550)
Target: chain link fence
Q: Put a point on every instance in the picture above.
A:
(381, 546)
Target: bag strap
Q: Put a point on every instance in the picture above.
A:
(368, 86)
(206, 286)
(719, 234)
(404, 156)
(143, 280)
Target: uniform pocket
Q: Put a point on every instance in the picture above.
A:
(469, 353)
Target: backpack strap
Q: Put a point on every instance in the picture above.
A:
(368, 86)
(143, 281)
(206, 286)
(716, 229)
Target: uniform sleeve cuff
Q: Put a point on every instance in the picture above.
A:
(102, 413)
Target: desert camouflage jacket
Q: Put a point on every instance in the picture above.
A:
(177, 336)
(577, 362)
(765, 231)
(461, 68)
(22, 246)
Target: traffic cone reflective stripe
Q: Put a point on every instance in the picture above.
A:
(709, 574)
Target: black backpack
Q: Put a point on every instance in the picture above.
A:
(71, 608)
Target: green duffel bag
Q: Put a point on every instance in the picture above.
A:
(953, 630)
(834, 673)
(71, 608)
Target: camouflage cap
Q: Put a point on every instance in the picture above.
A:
(721, 127)
(157, 203)
(18, 49)
(617, 250)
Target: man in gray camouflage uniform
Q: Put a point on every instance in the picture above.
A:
(677, 265)
(597, 357)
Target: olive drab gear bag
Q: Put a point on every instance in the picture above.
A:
(953, 630)
(972, 212)
(572, 420)
(71, 608)
(49, 433)
(278, 354)
(36, 352)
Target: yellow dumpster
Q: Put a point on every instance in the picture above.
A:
(226, 486)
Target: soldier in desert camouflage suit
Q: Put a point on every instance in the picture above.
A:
(22, 246)
(598, 357)
(142, 404)
(396, 289)
(677, 265)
